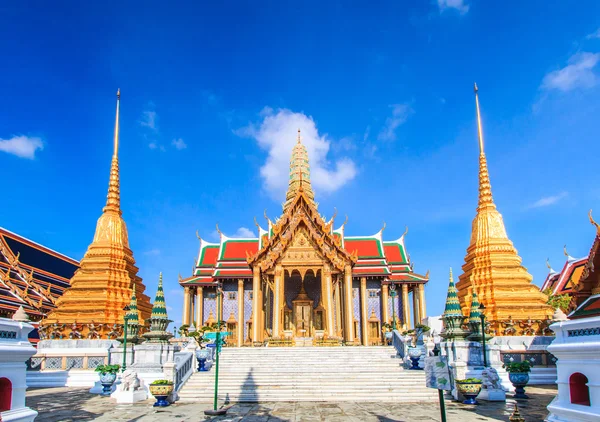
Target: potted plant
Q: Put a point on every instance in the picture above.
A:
(161, 389)
(108, 375)
(469, 388)
(518, 374)
(387, 330)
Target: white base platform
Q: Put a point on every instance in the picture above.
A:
(24, 414)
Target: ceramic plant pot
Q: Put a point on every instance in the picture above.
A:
(469, 390)
(414, 353)
(519, 380)
(161, 392)
(107, 379)
(202, 355)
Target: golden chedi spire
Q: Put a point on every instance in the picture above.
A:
(492, 265)
(299, 174)
(107, 276)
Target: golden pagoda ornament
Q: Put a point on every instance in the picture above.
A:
(493, 267)
(104, 283)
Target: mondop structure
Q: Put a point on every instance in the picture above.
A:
(301, 279)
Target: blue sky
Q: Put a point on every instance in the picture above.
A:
(212, 96)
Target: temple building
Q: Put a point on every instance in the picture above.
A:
(302, 280)
(563, 282)
(32, 276)
(493, 268)
(92, 307)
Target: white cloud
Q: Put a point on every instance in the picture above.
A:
(152, 252)
(156, 145)
(244, 232)
(595, 34)
(277, 135)
(149, 120)
(21, 146)
(578, 73)
(549, 200)
(459, 5)
(400, 113)
(179, 144)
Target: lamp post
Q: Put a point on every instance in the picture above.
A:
(125, 319)
(482, 316)
(393, 295)
(215, 411)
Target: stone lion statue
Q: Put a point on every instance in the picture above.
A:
(130, 381)
(491, 379)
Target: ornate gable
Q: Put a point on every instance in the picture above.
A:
(302, 234)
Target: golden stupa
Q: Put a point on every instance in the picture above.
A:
(93, 306)
(513, 305)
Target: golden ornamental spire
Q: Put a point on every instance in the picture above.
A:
(485, 188)
(492, 265)
(107, 277)
(299, 173)
(113, 200)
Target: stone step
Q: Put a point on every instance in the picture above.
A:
(309, 374)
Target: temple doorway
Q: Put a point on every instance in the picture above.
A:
(302, 295)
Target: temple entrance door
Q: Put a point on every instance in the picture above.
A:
(303, 312)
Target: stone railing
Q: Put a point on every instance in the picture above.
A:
(66, 361)
(180, 369)
(535, 358)
(399, 344)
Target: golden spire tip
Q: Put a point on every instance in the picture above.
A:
(475, 89)
(118, 93)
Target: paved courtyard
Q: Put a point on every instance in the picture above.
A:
(76, 404)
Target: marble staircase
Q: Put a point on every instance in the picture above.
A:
(309, 374)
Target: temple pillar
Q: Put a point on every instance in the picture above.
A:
(338, 308)
(422, 301)
(405, 307)
(363, 311)
(240, 318)
(277, 302)
(199, 306)
(348, 308)
(187, 298)
(416, 309)
(256, 305)
(385, 313)
(328, 299)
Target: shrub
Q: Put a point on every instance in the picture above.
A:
(469, 381)
(524, 366)
(108, 369)
(162, 382)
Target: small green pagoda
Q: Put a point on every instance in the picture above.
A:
(453, 318)
(158, 320)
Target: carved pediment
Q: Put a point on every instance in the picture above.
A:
(301, 234)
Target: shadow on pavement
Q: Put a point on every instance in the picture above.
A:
(60, 404)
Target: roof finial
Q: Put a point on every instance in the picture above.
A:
(113, 200)
(594, 223)
(116, 139)
(549, 266)
(485, 188)
(299, 137)
(405, 231)
(218, 231)
(479, 129)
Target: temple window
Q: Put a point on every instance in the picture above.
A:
(211, 295)
(580, 392)
(231, 295)
(231, 327)
(373, 293)
(250, 297)
(5, 394)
